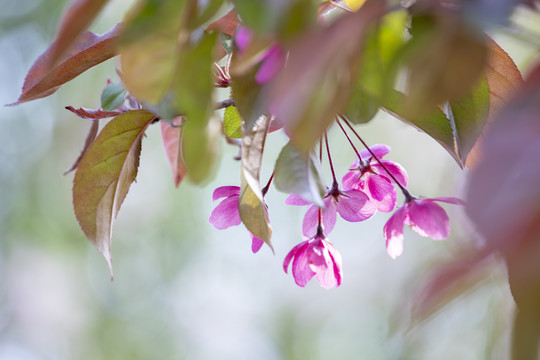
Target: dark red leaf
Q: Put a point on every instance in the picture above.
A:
(92, 114)
(88, 50)
(77, 18)
(225, 24)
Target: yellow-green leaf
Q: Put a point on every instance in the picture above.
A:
(105, 174)
(232, 123)
(251, 203)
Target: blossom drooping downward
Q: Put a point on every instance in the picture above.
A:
(370, 177)
(315, 257)
(423, 216)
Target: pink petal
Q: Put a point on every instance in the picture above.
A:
(226, 214)
(272, 63)
(300, 267)
(380, 150)
(351, 180)
(291, 254)
(311, 219)
(395, 169)
(294, 199)
(327, 272)
(382, 192)
(393, 232)
(256, 243)
(336, 260)
(355, 206)
(450, 200)
(242, 37)
(428, 219)
(226, 191)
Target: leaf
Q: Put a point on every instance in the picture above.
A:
(299, 173)
(225, 24)
(172, 135)
(503, 78)
(200, 147)
(374, 77)
(88, 50)
(92, 133)
(112, 96)
(445, 56)
(232, 123)
(105, 174)
(92, 114)
(470, 115)
(316, 82)
(433, 122)
(251, 202)
(80, 14)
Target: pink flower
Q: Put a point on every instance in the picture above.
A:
(226, 214)
(423, 216)
(316, 256)
(351, 204)
(370, 177)
(272, 60)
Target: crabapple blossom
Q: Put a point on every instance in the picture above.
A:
(315, 257)
(272, 60)
(351, 204)
(226, 214)
(423, 216)
(370, 177)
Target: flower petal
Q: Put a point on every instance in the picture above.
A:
(380, 150)
(395, 169)
(226, 191)
(351, 180)
(450, 200)
(300, 267)
(294, 199)
(393, 232)
(242, 37)
(428, 219)
(355, 206)
(226, 214)
(291, 254)
(256, 243)
(382, 192)
(328, 274)
(272, 63)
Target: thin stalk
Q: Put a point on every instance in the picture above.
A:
(330, 161)
(363, 163)
(267, 186)
(406, 192)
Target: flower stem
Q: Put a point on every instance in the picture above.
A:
(330, 161)
(264, 190)
(406, 193)
(362, 162)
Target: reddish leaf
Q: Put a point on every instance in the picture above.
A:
(225, 24)
(89, 50)
(105, 174)
(92, 133)
(503, 78)
(171, 133)
(316, 81)
(78, 17)
(92, 114)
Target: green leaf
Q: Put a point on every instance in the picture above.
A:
(251, 203)
(112, 96)
(232, 123)
(105, 174)
(200, 147)
(470, 115)
(434, 122)
(299, 173)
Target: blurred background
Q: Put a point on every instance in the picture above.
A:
(184, 290)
